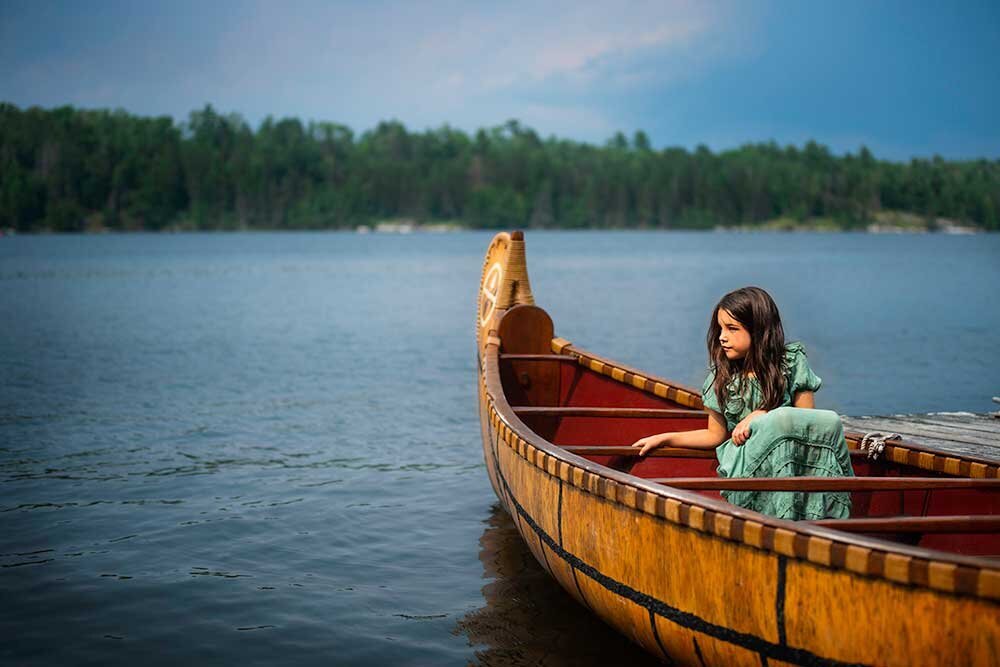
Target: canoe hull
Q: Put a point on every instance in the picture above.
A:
(698, 598)
(695, 581)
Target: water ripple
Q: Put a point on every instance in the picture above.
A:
(263, 448)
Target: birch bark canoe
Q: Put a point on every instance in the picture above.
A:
(912, 578)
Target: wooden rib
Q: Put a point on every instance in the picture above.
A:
(659, 413)
(914, 524)
(827, 483)
(538, 357)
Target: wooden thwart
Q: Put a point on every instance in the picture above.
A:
(537, 357)
(654, 413)
(915, 524)
(827, 483)
(662, 452)
(627, 450)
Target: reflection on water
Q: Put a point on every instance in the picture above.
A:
(528, 618)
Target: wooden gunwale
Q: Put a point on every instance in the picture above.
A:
(627, 375)
(966, 575)
(537, 357)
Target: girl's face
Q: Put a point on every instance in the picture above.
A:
(733, 336)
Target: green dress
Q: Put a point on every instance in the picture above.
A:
(785, 442)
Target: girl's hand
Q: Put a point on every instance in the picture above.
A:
(650, 442)
(742, 431)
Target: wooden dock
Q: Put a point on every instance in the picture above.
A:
(959, 432)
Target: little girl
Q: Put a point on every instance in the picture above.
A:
(768, 426)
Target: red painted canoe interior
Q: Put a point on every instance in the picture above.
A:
(552, 383)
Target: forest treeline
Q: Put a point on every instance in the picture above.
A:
(68, 169)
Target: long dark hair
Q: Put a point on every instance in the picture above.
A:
(755, 310)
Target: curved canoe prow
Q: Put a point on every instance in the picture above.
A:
(504, 282)
(648, 544)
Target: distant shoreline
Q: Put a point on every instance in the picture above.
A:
(76, 170)
(875, 230)
(885, 222)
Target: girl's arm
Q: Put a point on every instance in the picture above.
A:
(804, 399)
(704, 438)
(742, 431)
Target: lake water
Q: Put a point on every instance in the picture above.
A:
(263, 448)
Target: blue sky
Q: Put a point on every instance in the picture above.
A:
(904, 78)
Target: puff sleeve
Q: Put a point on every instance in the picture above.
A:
(800, 375)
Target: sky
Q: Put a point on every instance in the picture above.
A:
(904, 78)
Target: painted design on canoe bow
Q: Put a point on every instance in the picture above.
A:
(489, 293)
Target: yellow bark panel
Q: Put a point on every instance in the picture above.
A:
(722, 582)
(689, 647)
(858, 619)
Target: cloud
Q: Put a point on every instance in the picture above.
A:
(551, 65)
(464, 63)
(716, 71)
(537, 43)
